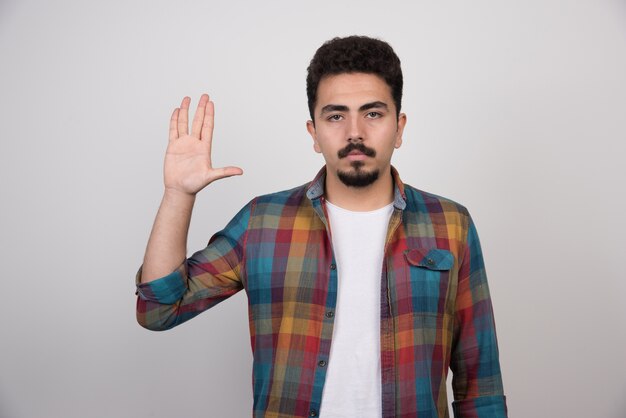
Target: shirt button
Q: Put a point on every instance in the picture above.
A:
(333, 266)
(330, 314)
(322, 363)
(430, 261)
(312, 413)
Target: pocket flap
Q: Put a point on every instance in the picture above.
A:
(430, 258)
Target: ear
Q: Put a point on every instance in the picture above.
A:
(400, 130)
(310, 126)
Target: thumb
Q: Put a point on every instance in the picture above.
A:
(223, 172)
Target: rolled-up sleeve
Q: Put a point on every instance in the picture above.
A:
(202, 281)
(477, 380)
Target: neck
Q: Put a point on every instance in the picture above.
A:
(360, 199)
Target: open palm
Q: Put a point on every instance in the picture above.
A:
(188, 166)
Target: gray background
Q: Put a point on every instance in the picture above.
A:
(516, 109)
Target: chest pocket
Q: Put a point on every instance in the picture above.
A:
(428, 280)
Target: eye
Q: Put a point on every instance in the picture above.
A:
(334, 118)
(373, 115)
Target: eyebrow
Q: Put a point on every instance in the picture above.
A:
(374, 105)
(343, 108)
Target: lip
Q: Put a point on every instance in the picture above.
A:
(356, 156)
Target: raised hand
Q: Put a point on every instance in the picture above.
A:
(188, 167)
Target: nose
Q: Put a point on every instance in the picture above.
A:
(355, 133)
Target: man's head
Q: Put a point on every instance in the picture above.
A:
(355, 88)
(354, 54)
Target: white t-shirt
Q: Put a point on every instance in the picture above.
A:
(353, 382)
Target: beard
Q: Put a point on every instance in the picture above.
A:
(358, 177)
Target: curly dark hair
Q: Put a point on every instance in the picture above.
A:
(354, 54)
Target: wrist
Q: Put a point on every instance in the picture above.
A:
(178, 197)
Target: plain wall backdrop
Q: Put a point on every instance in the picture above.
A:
(516, 109)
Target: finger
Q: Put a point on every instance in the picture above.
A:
(208, 123)
(196, 125)
(231, 171)
(220, 173)
(183, 114)
(174, 125)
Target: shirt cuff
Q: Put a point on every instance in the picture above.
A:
(484, 406)
(166, 290)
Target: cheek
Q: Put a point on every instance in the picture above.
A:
(390, 140)
(328, 141)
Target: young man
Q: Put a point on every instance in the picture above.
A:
(362, 291)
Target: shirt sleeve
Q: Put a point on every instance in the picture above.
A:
(477, 380)
(202, 281)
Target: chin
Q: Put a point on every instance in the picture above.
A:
(357, 177)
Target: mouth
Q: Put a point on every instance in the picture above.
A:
(356, 156)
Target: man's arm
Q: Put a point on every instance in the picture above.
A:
(476, 381)
(187, 170)
(170, 288)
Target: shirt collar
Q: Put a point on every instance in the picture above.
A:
(315, 189)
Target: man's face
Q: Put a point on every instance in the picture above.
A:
(356, 128)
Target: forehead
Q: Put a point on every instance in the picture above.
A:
(352, 89)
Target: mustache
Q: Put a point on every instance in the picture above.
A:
(343, 153)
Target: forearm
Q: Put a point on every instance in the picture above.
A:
(167, 246)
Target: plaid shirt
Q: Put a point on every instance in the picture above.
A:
(436, 312)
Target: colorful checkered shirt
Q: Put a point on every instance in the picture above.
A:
(436, 313)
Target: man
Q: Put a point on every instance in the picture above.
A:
(362, 291)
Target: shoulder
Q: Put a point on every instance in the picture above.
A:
(269, 204)
(442, 213)
(280, 203)
(283, 197)
(420, 200)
